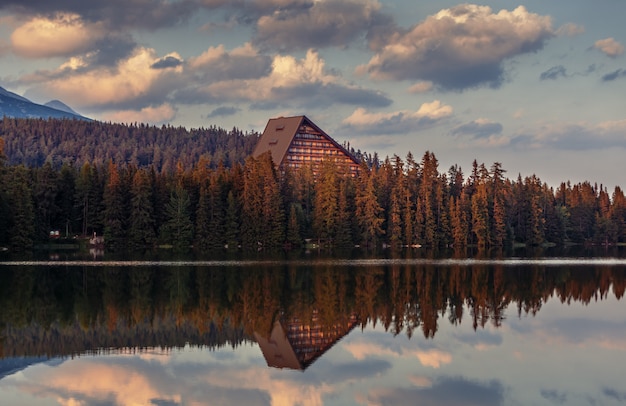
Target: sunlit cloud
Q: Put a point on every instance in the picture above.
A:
(152, 115)
(460, 47)
(398, 122)
(60, 35)
(421, 87)
(610, 47)
(132, 79)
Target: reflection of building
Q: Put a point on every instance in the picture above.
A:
(297, 141)
(296, 345)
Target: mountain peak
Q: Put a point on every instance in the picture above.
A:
(59, 105)
(13, 105)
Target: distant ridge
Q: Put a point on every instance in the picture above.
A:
(13, 105)
(59, 105)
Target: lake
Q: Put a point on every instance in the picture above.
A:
(535, 328)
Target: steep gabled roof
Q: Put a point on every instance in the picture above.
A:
(279, 133)
(277, 137)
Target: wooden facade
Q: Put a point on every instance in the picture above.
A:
(296, 142)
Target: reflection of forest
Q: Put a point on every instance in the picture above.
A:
(70, 310)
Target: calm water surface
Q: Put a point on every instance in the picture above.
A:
(314, 331)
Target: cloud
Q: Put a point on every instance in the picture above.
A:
(421, 87)
(398, 122)
(610, 47)
(460, 47)
(432, 357)
(223, 111)
(554, 396)
(167, 62)
(117, 15)
(319, 24)
(217, 64)
(289, 82)
(445, 391)
(152, 115)
(60, 35)
(554, 73)
(131, 83)
(575, 136)
(479, 128)
(570, 30)
(609, 77)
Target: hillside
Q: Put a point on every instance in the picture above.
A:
(33, 142)
(13, 105)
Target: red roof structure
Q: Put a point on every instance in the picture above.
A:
(297, 141)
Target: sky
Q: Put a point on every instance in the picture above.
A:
(537, 85)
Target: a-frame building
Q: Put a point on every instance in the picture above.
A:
(296, 142)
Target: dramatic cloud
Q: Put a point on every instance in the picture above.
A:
(61, 35)
(116, 14)
(217, 64)
(131, 82)
(461, 47)
(398, 122)
(610, 47)
(290, 82)
(322, 24)
(554, 73)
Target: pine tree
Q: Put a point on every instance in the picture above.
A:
(115, 209)
(178, 228)
(142, 223)
(21, 228)
(368, 212)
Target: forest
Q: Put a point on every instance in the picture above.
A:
(205, 197)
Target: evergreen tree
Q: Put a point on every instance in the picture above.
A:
(115, 209)
(178, 228)
(21, 228)
(326, 207)
(142, 224)
(368, 212)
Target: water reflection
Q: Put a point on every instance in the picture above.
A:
(385, 332)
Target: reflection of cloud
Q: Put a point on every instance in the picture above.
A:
(445, 391)
(581, 332)
(481, 339)
(433, 358)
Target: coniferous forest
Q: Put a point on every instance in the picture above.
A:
(142, 186)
